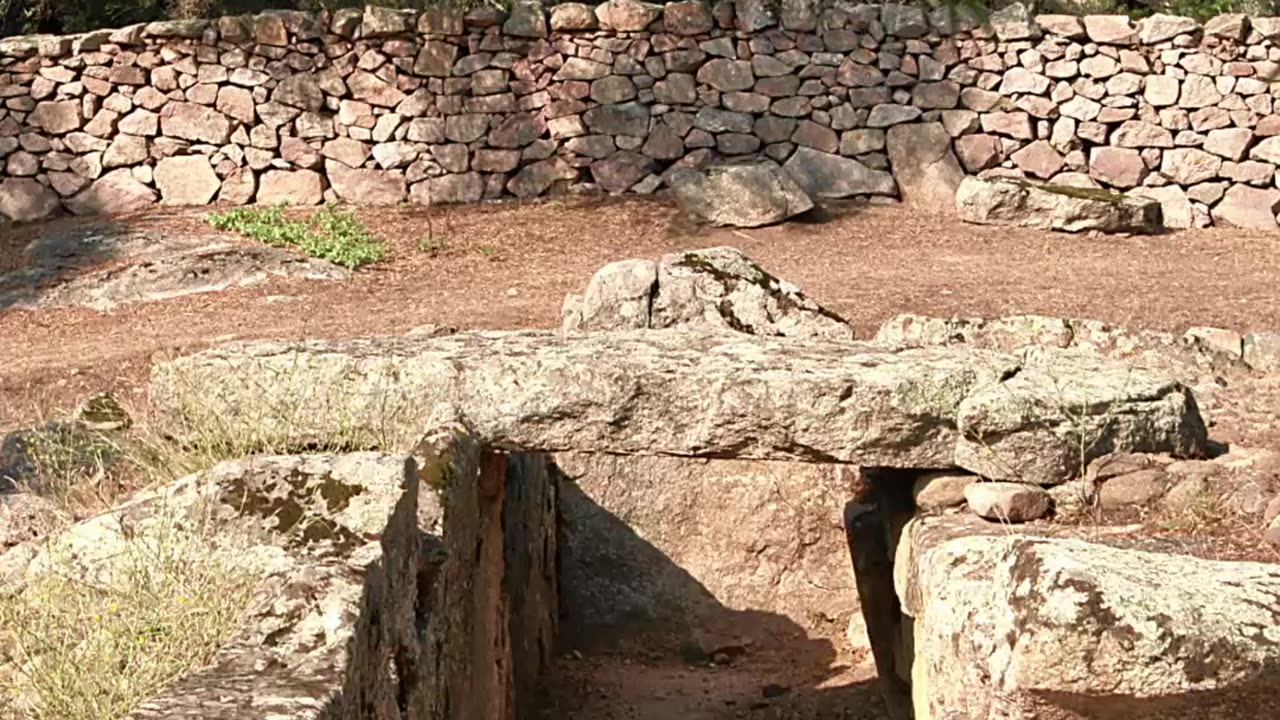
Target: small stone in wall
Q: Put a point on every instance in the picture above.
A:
(1187, 166)
(979, 152)
(1110, 29)
(1175, 206)
(1248, 207)
(573, 16)
(526, 19)
(1160, 27)
(888, 115)
(1007, 501)
(627, 15)
(1117, 167)
(1038, 159)
(186, 180)
(291, 187)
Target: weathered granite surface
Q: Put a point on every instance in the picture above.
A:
(683, 393)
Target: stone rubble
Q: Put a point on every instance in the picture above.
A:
(715, 288)
(387, 106)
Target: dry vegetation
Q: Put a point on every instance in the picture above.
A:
(89, 636)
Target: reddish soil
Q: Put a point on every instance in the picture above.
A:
(510, 265)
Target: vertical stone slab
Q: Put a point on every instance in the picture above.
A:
(490, 626)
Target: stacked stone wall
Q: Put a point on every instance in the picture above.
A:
(384, 106)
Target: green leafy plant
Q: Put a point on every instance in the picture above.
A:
(331, 234)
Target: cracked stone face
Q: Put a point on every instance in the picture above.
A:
(1063, 628)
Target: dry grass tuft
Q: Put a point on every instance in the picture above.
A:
(93, 641)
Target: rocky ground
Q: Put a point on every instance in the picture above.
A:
(85, 323)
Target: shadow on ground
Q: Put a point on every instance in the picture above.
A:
(688, 657)
(45, 255)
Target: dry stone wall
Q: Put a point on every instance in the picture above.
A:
(387, 106)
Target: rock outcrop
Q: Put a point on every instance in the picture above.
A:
(1026, 626)
(717, 288)
(689, 393)
(740, 194)
(378, 586)
(1055, 207)
(148, 267)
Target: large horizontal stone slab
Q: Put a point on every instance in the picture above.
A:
(1025, 626)
(690, 393)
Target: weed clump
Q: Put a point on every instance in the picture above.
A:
(95, 640)
(331, 234)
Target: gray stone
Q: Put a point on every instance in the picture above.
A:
(1118, 167)
(1175, 206)
(467, 187)
(1230, 143)
(739, 194)
(629, 118)
(904, 21)
(26, 200)
(1006, 502)
(619, 172)
(1187, 166)
(526, 18)
(300, 90)
(754, 15)
(979, 152)
(618, 297)
(573, 16)
(535, 179)
(941, 490)
(366, 187)
(1014, 22)
(888, 114)
(56, 118)
(1110, 29)
(1015, 202)
(1039, 159)
(1161, 27)
(926, 170)
(1000, 436)
(1142, 488)
(953, 579)
(830, 176)
(627, 15)
(514, 393)
(116, 193)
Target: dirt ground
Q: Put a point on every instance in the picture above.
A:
(509, 266)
